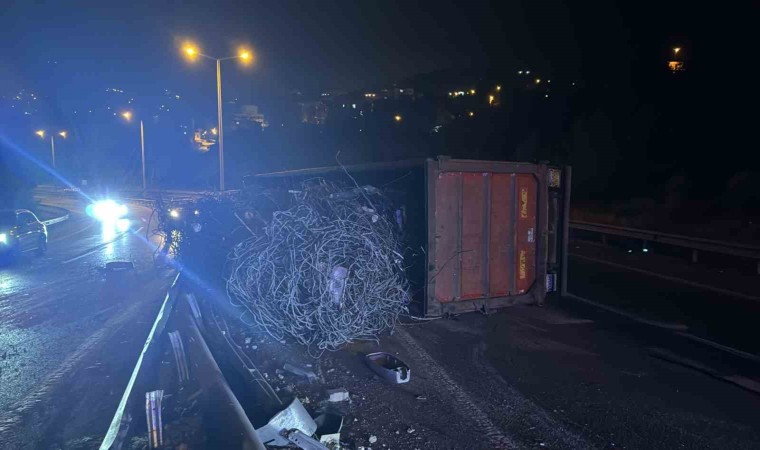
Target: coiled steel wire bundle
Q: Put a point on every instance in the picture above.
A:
(327, 271)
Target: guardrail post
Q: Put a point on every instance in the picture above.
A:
(694, 256)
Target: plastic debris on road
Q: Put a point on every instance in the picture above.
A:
(337, 395)
(300, 371)
(389, 367)
(294, 417)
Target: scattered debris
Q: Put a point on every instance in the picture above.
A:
(372, 439)
(410, 430)
(304, 441)
(300, 371)
(389, 367)
(337, 395)
(119, 266)
(294, 417)
(153, 415)
(329, 427)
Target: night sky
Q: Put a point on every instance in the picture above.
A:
(307, 45)
(70, 52)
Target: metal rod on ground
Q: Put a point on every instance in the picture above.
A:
(153, 415)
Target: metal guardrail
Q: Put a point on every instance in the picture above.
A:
(693, 243)
(224, 411)
(47, 223)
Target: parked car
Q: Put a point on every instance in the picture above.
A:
(21, 231)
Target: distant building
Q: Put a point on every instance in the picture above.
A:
(247, 116)
(314, 113)
(204, 139)
(403, 92)
(676, 66)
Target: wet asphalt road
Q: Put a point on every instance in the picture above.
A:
(563, 376)
(722, 318)
(58, 311)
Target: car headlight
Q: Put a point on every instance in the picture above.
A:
(174, 213)
(3, 238)
(107, 211)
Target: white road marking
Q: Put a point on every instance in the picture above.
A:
(634, 317)
(722, 347)
(670, 278)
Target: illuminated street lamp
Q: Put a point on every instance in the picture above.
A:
(397, 118)
(244, 55)
(41, 134)
(127, 115)
(676, 50)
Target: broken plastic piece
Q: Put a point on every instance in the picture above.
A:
(337, 395)
(303, 441)
(329, 426)
(296, 370)
(294, 417)
(389, 367)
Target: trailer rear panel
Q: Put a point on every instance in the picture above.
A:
(489, 234)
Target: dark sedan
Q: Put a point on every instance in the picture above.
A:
(21, 231)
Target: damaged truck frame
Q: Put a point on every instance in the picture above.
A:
(482, 234)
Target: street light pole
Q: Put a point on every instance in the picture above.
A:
(41, 134)
(142, 152)
(192, 52)
(127, 115)
(219, 119)
(52, 148)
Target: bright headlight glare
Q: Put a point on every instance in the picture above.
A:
(107, 211)
(3, 238)
(122, 225)
(174, 213)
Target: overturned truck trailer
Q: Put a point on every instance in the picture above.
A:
(480, 234)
